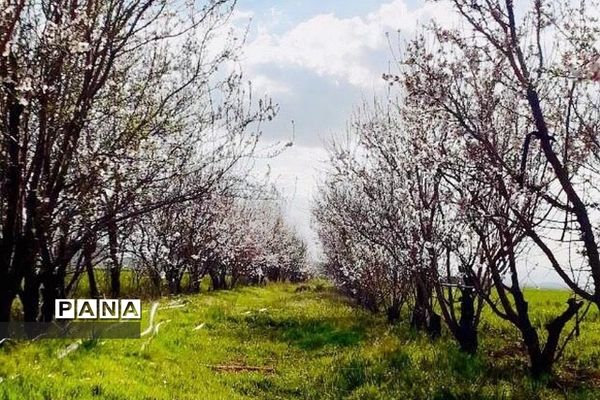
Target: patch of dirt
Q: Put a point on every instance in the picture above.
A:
(511, 350)
(242, 368)
(570, 377)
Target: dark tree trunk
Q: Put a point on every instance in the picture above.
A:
(370, 303)
(88, 251)
(195, 281)
(11, 190)
(223, 278)
(467, 329)
(30, 298)
(6, 300)
(538, 366)
(579, 207)
(542, 360)
(53, 288)
(393, 311)
(156, 281)
(275, 275)
(174, 282)
(48, 296)
(30, 294)
(419, 315)
(555, 327)
(217, 281)
(543, 363)
(423, 317)
(434, 325)
(235, 279)
(115, 281)
(174, 287)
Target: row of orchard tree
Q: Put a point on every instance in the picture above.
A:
(444, 197)
(127, 134)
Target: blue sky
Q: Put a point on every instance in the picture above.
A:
(319, 59)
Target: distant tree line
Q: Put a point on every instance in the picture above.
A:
(438, 197)
(126, 138)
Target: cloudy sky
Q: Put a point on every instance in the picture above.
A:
(319, 59)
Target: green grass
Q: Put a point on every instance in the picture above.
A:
(311, 345)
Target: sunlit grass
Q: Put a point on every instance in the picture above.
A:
(277, 343)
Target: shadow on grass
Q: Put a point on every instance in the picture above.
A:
(314, 334)
(306, 333)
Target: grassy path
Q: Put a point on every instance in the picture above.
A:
(277, 343)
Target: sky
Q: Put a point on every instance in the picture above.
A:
(319, 60)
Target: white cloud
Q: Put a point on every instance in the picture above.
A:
(264, 85)
(397, 16)
(296, 172)
(340, 48)
(243, 16)
(324, 44)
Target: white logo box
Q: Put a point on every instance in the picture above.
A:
(98, 309)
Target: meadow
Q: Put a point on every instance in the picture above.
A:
(282, 342)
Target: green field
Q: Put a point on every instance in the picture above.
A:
(279, 343)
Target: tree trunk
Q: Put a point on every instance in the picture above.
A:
(195, 281)
(467, 330)
(579, 208)
(174, 282)
(419, 315)
(115, 282)
(156, 281)
(11, 190)
(543, 362)
(370, 303)
(30, 298)
(216, 281)
(48, 296)
(434, 324)
(538, 366)
(393, 311)
(6, 300)
(53, 288)
(88, 251)
(30, 295)
(235, 277)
